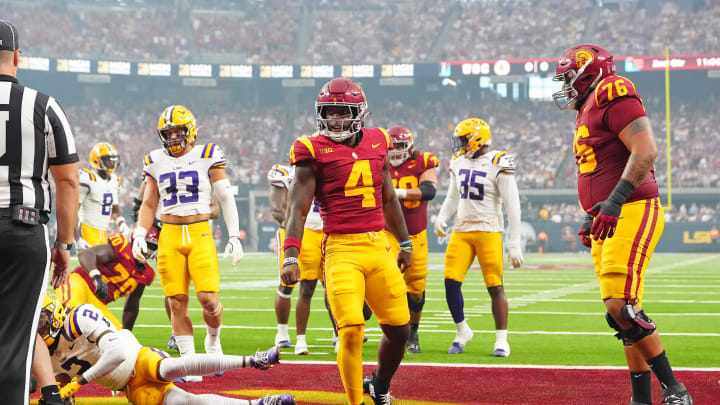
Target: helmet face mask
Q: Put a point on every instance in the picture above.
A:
(52, 316)
(402, 145)
(470, 136)
(580, 69)
(176, 129)
(340, 109)
(104, 158)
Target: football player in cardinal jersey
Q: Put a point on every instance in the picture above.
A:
(414, 178)
(482, 182)
(615, 151)
(180, 177)
(99, 189)
(344, 167)
(85, 346)
(310, 260)
(108, 272)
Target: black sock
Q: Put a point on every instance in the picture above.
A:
(414, 328)
(51, 392)
(661, 367)
(641, 386)
(381, 387)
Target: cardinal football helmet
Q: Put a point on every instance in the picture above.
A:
(52, 316)
(177, 116)
(470, 136)
(402, 145)
(104, 157)
(151, 239)
(581, 68)
(345, 93)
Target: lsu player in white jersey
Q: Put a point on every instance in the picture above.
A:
(99, 190)
(180, 177)
(85, 346)
(310, 260)
(482, 182)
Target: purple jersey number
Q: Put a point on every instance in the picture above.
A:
(189, 195)
(469, 187)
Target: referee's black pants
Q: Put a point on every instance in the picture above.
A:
(24, 263)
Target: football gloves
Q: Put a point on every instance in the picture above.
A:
(122, 225)
(70, 388)
(584, 231)
(101, 288)
(139, 246)
(440, 228)
(515, 256)
(607, 212)
(81, 244)
(234, 247)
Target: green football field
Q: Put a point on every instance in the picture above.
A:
(556, 316)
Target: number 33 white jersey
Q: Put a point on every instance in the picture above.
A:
(480, 183)
(184, 182)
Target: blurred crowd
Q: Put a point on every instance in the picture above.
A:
(345, 31)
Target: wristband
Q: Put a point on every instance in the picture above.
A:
(405, 243)
(95, 272)
(401, 193)
(621, 192)
(406, 246)
(64, 246)
(292, 242)
(289, 260)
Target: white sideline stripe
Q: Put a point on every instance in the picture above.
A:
(535, 366)
(370, 330)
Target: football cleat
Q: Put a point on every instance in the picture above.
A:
(282, 399)
(461, 338)
(301, 348)
(633, 402)
(413, 344)
(456, 348)
(676, 395)
(370, 388)
(282, 341)
(172, 344)
(265, 360)
(214, 349)
(501, 350)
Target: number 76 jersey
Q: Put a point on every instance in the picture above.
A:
(479, 183)
(184, 182)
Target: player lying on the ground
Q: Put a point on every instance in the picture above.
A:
(86, 346)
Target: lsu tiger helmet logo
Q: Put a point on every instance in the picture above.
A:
(104, 158)
(52, 316)
(580, 69)
(470, 136)
(176, 120)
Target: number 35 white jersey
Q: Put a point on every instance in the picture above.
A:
(97, 197)
(479, 183)
(77, 349)
(184, 182)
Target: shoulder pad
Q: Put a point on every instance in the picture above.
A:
(83, 320)
(503, 159)
(430, 160)
(119, 180)
(86, 175)
(302, 149)
(212, 151)
(612, 88)
(387, 137)
(280, 175)
(148, 159)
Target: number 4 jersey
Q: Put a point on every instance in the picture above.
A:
(184, 182)
(479, 182)
(600, 154)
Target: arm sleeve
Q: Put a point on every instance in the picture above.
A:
(223, 193)
(449, 206)
(511, 201)
(60, 141)
(622, 112)
(113, 354)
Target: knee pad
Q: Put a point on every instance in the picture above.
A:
(416, 306)
(642, 326)
(284, 292)
(217, 310)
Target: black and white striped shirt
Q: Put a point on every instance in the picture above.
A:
(34, 133)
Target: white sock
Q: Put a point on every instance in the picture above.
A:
(213, 336)
(173, 368)
(283, 330)
(461, 326)
(186, 344)
(500, 336)
(300, 340)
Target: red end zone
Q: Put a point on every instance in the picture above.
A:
(418, 384)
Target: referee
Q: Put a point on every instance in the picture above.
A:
(34, 137)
